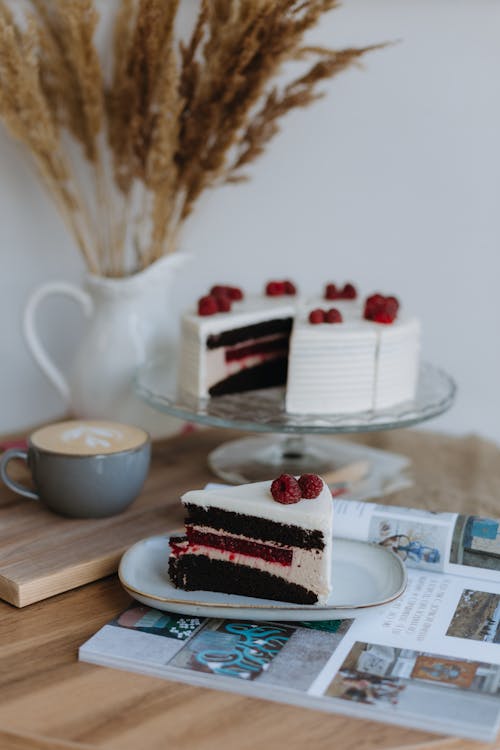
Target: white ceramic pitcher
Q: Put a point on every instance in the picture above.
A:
(127, 325)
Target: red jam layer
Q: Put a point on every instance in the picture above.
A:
(278, 345)
(240, 546)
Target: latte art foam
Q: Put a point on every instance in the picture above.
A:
(88, 437)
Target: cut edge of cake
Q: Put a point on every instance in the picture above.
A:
(239, 540)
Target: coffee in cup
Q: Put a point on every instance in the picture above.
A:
(88, 438)
(83, 468)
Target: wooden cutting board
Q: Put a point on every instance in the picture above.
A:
(42, 554)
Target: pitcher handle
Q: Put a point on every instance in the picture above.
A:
(32, 339)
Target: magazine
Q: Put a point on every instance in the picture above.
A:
(430, 660)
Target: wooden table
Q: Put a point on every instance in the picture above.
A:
(49, 700)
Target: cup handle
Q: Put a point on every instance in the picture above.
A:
(31, 336)
(11, 483)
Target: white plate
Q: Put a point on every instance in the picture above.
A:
(363, 576)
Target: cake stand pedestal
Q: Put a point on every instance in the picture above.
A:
(254, 459)
(294, 443)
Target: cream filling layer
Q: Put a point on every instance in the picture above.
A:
(217, 368)
(310, 568)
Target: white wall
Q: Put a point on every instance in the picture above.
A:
(393, 180)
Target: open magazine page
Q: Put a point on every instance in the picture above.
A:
(431, 660)
(441, 542)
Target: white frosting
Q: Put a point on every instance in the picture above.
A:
(255, 499)
(353, 366)
(397, 364)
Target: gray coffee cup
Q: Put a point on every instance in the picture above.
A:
(82, 485)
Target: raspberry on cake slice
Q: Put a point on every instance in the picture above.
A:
(270, 540)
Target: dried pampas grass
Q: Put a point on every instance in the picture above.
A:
(174, 118)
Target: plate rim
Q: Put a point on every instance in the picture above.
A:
(279, 607)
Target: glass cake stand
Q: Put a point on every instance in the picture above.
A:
(294, 443)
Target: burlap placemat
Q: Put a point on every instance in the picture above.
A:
(460, 474)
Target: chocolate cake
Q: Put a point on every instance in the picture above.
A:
(256, 541)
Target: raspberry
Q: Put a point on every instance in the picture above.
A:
(231, 292)
(290, 288)
(234, 292)
(383, 317)
(331, 292)
(333, 316)
(381, 309)
(392, 305)
(349, 292)
(317, 316)
(374, 305)
(219, 291)
(275, 288)
(207, 305)
(223, 304)
(310, 485)
(285, 489)
(375, 299)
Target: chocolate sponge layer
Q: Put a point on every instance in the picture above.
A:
(259, 529)
(266, 375)
(199, 573)
(253, 331)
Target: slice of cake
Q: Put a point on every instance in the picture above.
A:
(266, 540)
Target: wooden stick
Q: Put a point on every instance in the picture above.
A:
(351, 473)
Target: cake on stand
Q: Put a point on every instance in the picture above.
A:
(292, 443)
